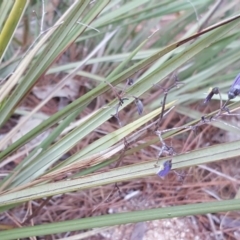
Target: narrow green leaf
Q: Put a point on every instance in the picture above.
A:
(141, 86)
(122, 218)
(202, 156)
(11, 24)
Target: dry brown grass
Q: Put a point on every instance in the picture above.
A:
(188, 186)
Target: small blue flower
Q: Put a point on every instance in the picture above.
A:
(166, 168)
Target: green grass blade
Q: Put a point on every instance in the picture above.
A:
(11, 24)
(202, 156)
(122, 218)
(141, 86)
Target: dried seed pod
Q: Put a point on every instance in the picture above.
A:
(139, 105)
(210, 95)
(130, 82)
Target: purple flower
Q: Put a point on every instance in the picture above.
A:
(166, 168)
(235, 88)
